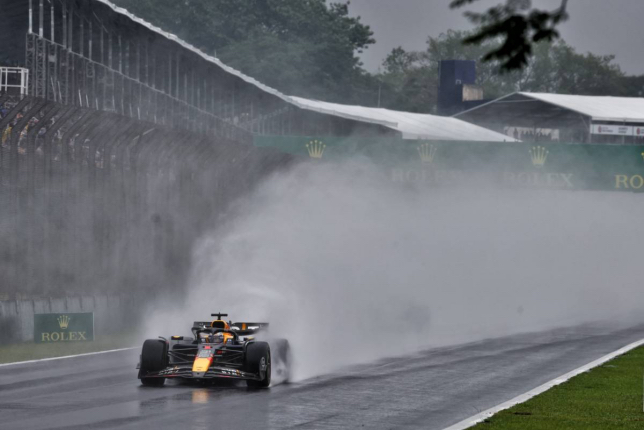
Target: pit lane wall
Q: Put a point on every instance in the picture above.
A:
(112, 314)
(509, 164)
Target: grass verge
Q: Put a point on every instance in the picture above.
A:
(35, 351)
(607, 397)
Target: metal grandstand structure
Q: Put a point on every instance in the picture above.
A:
(127, 145)
(14, 80)
(125, 148)
(93, 54)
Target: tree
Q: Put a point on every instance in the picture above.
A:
(412, 77)
(301, 47)
(556, 67)
(308, 48)
(518, 26)
(633, 86)
(407, 83)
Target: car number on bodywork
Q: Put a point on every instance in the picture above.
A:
(205, 353)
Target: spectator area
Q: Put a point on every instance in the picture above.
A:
(562, 117)
(148, 74)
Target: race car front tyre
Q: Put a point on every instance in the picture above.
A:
(258, 361)
(154, 357)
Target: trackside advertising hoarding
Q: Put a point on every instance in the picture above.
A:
(617, 130)
(65, 327)
(513, 164)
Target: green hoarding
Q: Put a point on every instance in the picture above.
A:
(65, 327)
(523, 164)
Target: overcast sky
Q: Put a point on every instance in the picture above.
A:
(598, 26)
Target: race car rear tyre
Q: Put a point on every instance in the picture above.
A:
(258, 361)
(154, 357)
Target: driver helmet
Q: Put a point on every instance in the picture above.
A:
(206, 337)
(220, 324)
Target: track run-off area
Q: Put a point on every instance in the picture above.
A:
(432, 389)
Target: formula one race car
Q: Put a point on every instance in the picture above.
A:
(219, 349)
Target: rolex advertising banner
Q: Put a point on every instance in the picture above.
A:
(67, 327)
(513, 164)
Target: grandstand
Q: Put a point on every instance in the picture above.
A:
(112, 165)
(563, 117)
(95, 55)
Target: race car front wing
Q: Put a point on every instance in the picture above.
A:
(185, 372)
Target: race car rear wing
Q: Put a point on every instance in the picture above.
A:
(242, 328)
(201, 324)
(246, 328)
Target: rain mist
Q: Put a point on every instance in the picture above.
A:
(351, 266)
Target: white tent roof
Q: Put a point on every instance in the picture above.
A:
(411, 125)
(599, 108)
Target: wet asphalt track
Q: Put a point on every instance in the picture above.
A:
(429, 390)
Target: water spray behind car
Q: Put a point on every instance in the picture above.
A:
(352, 267)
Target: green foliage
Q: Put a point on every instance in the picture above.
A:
(408, 83)
(517, 26)
(555, 67)
(308, 48)
(634, 85)
(412, 77)
(301, 47)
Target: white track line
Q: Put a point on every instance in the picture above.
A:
(67, 356)
(469, 422)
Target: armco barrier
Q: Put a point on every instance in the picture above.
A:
(112, 314)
